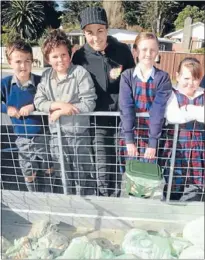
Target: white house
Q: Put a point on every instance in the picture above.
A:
(197, 36)
(121, 35)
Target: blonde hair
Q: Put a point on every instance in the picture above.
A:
(193, 65)
(145, 36)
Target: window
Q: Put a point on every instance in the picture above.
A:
(162, 47)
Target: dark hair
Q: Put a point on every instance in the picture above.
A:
(18, 45)
(54, 39)
(194, 66)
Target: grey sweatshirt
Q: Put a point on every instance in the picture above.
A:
(77, 89)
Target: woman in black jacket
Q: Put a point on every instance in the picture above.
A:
(105, 58)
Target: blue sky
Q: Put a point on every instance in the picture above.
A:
(60, 5)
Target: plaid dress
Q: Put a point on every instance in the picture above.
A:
(190, 153)
(144, 96)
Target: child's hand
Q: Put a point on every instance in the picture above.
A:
(150, 153)
(69, 109)
(132, 150)
(55, 115)
(26, 110)
(13, 112)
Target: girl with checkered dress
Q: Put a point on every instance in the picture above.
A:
(143, 89)
(186, 107)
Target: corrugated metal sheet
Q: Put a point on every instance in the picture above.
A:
(169, 61)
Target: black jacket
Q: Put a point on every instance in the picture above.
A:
(105, 70)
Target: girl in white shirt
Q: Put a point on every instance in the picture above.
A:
(186, 108)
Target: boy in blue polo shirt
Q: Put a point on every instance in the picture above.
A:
(17, 94)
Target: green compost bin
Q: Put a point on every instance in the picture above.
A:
(142, 178)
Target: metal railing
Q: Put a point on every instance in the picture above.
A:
(78, 164)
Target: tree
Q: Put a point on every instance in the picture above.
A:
(25, 17)
(8, 35)
(156, 15)
(52, 16)
(72, 10)
(131, 12)
(115, 13)
(194, 12)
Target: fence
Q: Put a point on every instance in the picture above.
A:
(37, 55)
(169, 61)
(77, 171)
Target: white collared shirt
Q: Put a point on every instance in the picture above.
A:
(180, 115)
(137, 72)
(15, 80)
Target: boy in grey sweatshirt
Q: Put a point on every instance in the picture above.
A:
(64, 91)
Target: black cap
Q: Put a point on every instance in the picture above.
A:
(93, 15)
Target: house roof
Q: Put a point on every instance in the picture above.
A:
(75, 33)
(110, 32)
(120, 34)
(181, 30)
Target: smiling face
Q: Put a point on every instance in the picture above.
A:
(21, 63)
(186, 82)
(96, 36)
(59, 59)
(147, 51)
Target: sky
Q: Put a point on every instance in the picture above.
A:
(60, 5)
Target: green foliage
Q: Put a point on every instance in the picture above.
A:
(157, 15)
(8, 35)
(72, 10)
(43, 37)
(201, 50)
(25, 17)
(132, 14)
(194, 12)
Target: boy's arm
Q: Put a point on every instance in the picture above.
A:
(127, 109)
(3, 108)
(3, 98)
(11, 110)
(157, 111)
(26, 110)
(179, 115)
(41, 101)
(87, 93)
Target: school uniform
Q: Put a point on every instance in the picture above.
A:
(190, 153)
(137, 96)
(32, 144)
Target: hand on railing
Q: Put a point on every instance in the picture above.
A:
(69, 109)
(13, 112)
(62, 109)
(150, 153)
(132, 150)
(26, 110)
(55, 115)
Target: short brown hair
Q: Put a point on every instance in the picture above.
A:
(18, 45)
(54, 39)
(145, 36)
(194, 66)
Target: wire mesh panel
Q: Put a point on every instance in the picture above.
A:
(91, 160)
(189, 163)
(26, 159)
